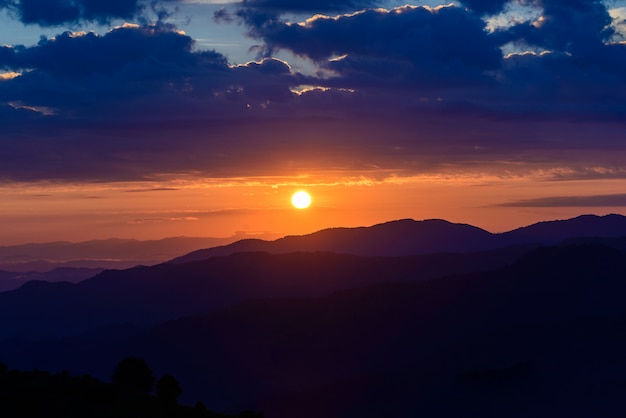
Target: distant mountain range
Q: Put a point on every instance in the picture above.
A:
(12, 280)
(109, 253)
(148, 295)
(77, 261)
(74, 262)
(540, 337)
(410, 237)
(405, 318)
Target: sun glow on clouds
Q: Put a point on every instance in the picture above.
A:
(9, 75)
(127, 25)
(44, 110)
(619, 22)
(303, 89)
(308, 23)
(195, 206)
(514, 13)
(260, 62)
(517, 12)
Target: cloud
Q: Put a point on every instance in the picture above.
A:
(257, 12)
(84, 74)
(83, 54)
(403, 91)
(153, 189)
(222, 15)
(104, 102)
(58, 12)
(579, 27)
(619, 22)
(419, 48)
(608, 200)
(162, 220)
(309, 6)
(485, 7)
(407, 44)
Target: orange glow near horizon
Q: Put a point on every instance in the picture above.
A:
(260, 207)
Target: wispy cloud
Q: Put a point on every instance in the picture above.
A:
(161, 220)
(153, 189)
(608, 200)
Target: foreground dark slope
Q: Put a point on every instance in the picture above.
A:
(37, 394)
(542, 337)
(148, 295)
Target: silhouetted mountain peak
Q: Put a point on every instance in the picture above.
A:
(410, 237)
(395, 238)
(552, 232)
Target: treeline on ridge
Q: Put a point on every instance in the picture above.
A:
(37, 393)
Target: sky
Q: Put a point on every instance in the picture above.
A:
(146, 119)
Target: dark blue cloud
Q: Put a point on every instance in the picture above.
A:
(307, 6)
(579, 71)
(447, 49)
(408, 89)
(7, 56)
(579, 26)
(556, 84)
(80, 55)
(76, 73)
(408, 45)
(58, 12)
(485, 7)
(136, 72)
(223, 15)
(610, 200)
(256, 13)
(118, 105)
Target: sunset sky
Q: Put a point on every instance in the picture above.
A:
(146, 119)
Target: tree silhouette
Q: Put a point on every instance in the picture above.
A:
(133, 373)
(200, 407)
(168, 390)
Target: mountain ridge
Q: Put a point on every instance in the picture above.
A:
(494, 339)
(404, 237)
(145, 295)
(10, 280)
(401, 237)
(356, 336)
(103, 253)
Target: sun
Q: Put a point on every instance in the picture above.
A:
(301, 199)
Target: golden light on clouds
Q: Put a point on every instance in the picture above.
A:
(223, 207)
(9, 75)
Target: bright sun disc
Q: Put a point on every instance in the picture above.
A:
(301, 200)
